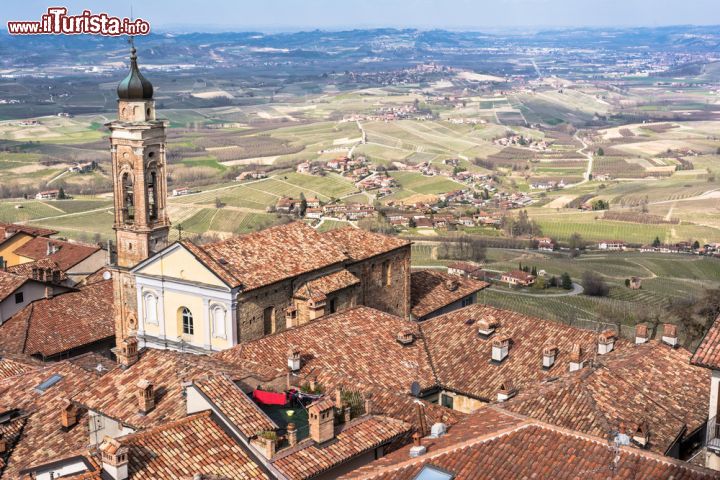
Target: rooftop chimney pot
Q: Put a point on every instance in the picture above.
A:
(641, 333)
(145, 394)
(670, 336)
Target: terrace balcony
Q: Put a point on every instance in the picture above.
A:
(712, 438)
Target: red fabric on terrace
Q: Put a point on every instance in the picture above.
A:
(270, 398)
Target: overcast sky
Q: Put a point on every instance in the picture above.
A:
(270, 15)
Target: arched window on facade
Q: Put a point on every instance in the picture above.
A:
(218, 316)
(152, 196)
(187, 321)
(151, 314)
(128, 205)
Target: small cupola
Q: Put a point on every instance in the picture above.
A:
(405, 338)
(606, 341)
(670, 336)
(507, 391)
(487, 326)
(641, 334)
(135, 86)
(500, 349)
(114, 457)
(576, 361)
(549, 354)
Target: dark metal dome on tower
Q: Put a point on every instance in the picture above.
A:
(134, 86)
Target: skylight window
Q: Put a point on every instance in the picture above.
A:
(48, 383)
(429, 472)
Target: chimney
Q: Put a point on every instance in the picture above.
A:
(549, 354)
(291, 316)
(338, 399)
(500, 349)
(49, 292)
(641, 333)
(114, 458)
(368, 403)
(321, 417)
(68, 415)
(669, 336)
(606, 342)
(487, 326)
(418, 448)
(292, 434)
(145, 396)
(405, 338)
(641, 434)
(127, 353)
(507, 391)
(51, 248)
(267, 442)
(347, 412)
(451, 285)
(294, 362)
(576, 361)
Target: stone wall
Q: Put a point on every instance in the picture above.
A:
(385, 281)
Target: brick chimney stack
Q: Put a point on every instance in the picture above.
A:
(500, 349)
(321, 417)
(68, 415)
(145, 395)
(368, 403)
(641, 333)
(576, 361)
(549, 354)
(670, 336)
(294, 361)
(292, 434)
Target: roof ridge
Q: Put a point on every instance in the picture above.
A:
(166, 426)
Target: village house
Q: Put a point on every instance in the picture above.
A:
(17, 291)
(253, 175)
(63, 324)
(84, 167)
(181, 191)
(545, 244)
(13, 236)
(48, 195)
(517, 278)
(707, 355)
(73, 261)
(465, 269)
(285, 205)
(612, 245)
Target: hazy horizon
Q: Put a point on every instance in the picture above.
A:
(292, 15)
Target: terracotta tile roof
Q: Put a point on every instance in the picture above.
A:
(68, 254)
(94, 363)
(431, 290)
(271, 255)
(185, 447)
(461, 357)
(42, 440)
(466, 267)
(528, 449)
(358, 344)
(360, 244)
(650, 383)
(26, 269)
(235, 405)
(50, 326)
(323, 286)
(10, 368)
(9, 282)
(9, 229)
(113, 395)
(707, 353)
(360, 435)
(519, 275)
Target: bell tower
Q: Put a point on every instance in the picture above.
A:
(137, 148)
